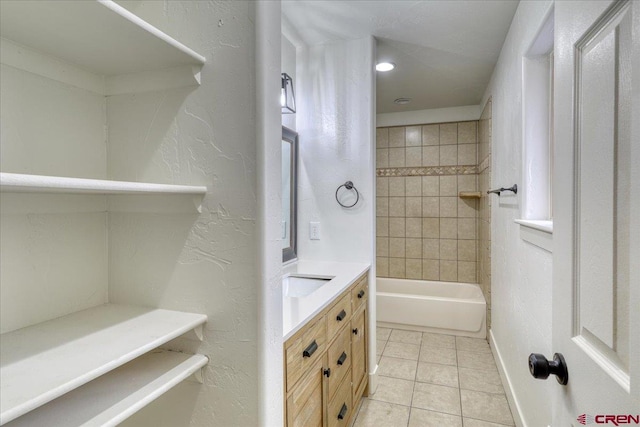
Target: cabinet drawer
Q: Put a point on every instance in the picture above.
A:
(338, 315)
(358, 350)
(305, 405)
(339, 355)
(340, 408)
(359, 294)
(304, 351)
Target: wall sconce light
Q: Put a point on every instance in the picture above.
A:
(287, 97)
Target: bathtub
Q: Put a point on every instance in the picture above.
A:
(442, 307)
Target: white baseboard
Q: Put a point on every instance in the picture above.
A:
(373, 381)
(506, 383)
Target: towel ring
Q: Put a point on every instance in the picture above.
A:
(349, 186)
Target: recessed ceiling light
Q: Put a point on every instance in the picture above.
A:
(385, 66)
(402, 101)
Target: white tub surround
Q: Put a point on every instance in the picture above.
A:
(443, 307)
(298, 311)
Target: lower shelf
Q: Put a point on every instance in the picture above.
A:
(114, 397)
(45, 361)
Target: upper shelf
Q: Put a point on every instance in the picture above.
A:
(42, 362)
(95, 45)
(98, 36)
(22, 183)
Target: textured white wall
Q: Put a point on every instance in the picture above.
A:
(63, 253)
(336, 124)
(53, 248)
(269, 133)
(521, 272)
(434, 115)
(206, 263)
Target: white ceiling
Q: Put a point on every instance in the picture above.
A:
(444, 50)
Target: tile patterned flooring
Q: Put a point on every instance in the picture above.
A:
(434, 380)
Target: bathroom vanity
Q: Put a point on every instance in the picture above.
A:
(325, 344)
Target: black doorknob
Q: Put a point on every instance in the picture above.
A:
(541, 368)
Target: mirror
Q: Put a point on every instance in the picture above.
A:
(289, 193)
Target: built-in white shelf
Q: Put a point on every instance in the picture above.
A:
(470, 195)
(43, 362)
(99, 37)
(22, 183)
(114, 397)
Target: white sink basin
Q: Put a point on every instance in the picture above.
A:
(301, 286)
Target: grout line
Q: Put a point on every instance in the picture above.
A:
(415, 381)
(459, 385)
(415, 376)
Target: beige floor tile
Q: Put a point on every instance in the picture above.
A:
(471, 360)
(486, 407)
(437, 374)
(480, 380)
(380, 346)
(398, 368)
(443, 356)
(438, 340)
(383, 333)
(393, 390)
(472, 344)
(401, 350)
(436, 398)
(423, 418)
(470, 422)
(374, 413)
(408, 337)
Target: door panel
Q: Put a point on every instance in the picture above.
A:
(603, 94)
(596, 229)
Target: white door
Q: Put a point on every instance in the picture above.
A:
(596, 254)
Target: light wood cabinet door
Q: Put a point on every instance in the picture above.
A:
(340, 408)
(304, 350)
(305, 405)
(358, 352)
(359, 293)
(339, 315)
(339, 360)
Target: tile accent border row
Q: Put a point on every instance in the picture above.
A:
(428, 171)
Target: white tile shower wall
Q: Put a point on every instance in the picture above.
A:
(521, 274)
(335, 124)
(424, 230)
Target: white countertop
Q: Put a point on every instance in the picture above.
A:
(297, 311)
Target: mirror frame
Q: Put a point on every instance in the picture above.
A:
(290, 253)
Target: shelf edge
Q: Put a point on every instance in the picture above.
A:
(130, 403)
(23, 183)
(129, 16)
(470, 195)
(86, 377)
